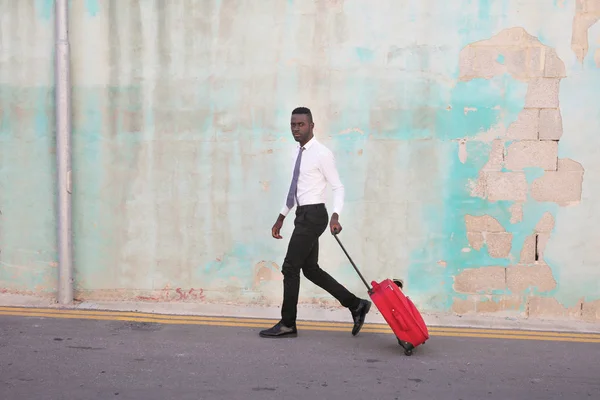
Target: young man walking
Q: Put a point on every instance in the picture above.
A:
(314, 168)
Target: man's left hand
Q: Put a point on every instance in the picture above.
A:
(334, 225)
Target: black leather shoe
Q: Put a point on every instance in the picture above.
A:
(279, 331)
(358, 315)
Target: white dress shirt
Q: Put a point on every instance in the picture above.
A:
(317, 168)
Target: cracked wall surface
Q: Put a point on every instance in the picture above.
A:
(466, 139)
(530, 142)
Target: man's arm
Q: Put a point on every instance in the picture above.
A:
(330, 172)
(276, 229)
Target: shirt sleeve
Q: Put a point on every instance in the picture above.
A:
(285, 210)
(330, 172)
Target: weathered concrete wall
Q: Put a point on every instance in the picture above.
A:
(27, 155)
(466, 138)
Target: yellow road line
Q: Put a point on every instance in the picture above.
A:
(237, 320)
(262, 323)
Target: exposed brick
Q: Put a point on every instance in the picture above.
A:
(579, 37)
(526, 126)
(506, 186)
(590, 7)
(480, 280)
(554, 66)
(566, 164)
(484, 223)
(467, 63)
(510, 37)
(517, 62)
(591, 311)
(486, 229)
(563, 186)
(528, 250)
(496, 158)
(499, 244)
(460, 306)
(516, 213)
(505, 303)
(475, 223)
(532, 153)
(522, 277)
(551, 125)
(542, 240)
(486, 64)
(487, 304)
(475, 240)
(536, 61)
(545, 224)
(540, 307)
(479, 186)
(542, 93)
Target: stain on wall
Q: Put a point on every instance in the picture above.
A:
(460, 135)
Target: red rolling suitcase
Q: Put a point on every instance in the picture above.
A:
(397, 309)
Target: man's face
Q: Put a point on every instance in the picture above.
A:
(301, 128)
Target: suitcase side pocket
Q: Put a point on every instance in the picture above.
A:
(400, 319)
(398, 307)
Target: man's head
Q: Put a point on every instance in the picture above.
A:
(302, 125)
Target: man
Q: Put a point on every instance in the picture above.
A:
(314, 167)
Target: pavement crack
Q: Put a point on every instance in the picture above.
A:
(86, 348)
(260, 389)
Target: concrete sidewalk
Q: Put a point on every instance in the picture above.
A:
(310, 313)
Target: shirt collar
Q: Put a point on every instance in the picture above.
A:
(309, 143)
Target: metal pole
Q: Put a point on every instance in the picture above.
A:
(63, 152)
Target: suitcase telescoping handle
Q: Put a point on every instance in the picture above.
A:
(335, 235)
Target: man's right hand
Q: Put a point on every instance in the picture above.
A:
(277, 227)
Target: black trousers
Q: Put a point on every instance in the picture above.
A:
(303, 254)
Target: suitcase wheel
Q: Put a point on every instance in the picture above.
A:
(398, 283)
(408, 348)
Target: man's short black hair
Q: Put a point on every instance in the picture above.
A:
(303, 110)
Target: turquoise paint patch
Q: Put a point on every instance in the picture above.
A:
(364, 55)
(533, 173)
(27, 196)
(92, 7)
(497, 100)
(107, 133)
(43, 109)
(238, 262)
(500, 58)
(477, 105)
(92, 230)
(45, 8)
(448, 236)
(484, 10)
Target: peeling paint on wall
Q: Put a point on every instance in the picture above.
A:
(587, 13)
(530, 144)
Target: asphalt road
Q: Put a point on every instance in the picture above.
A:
(47, 358)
